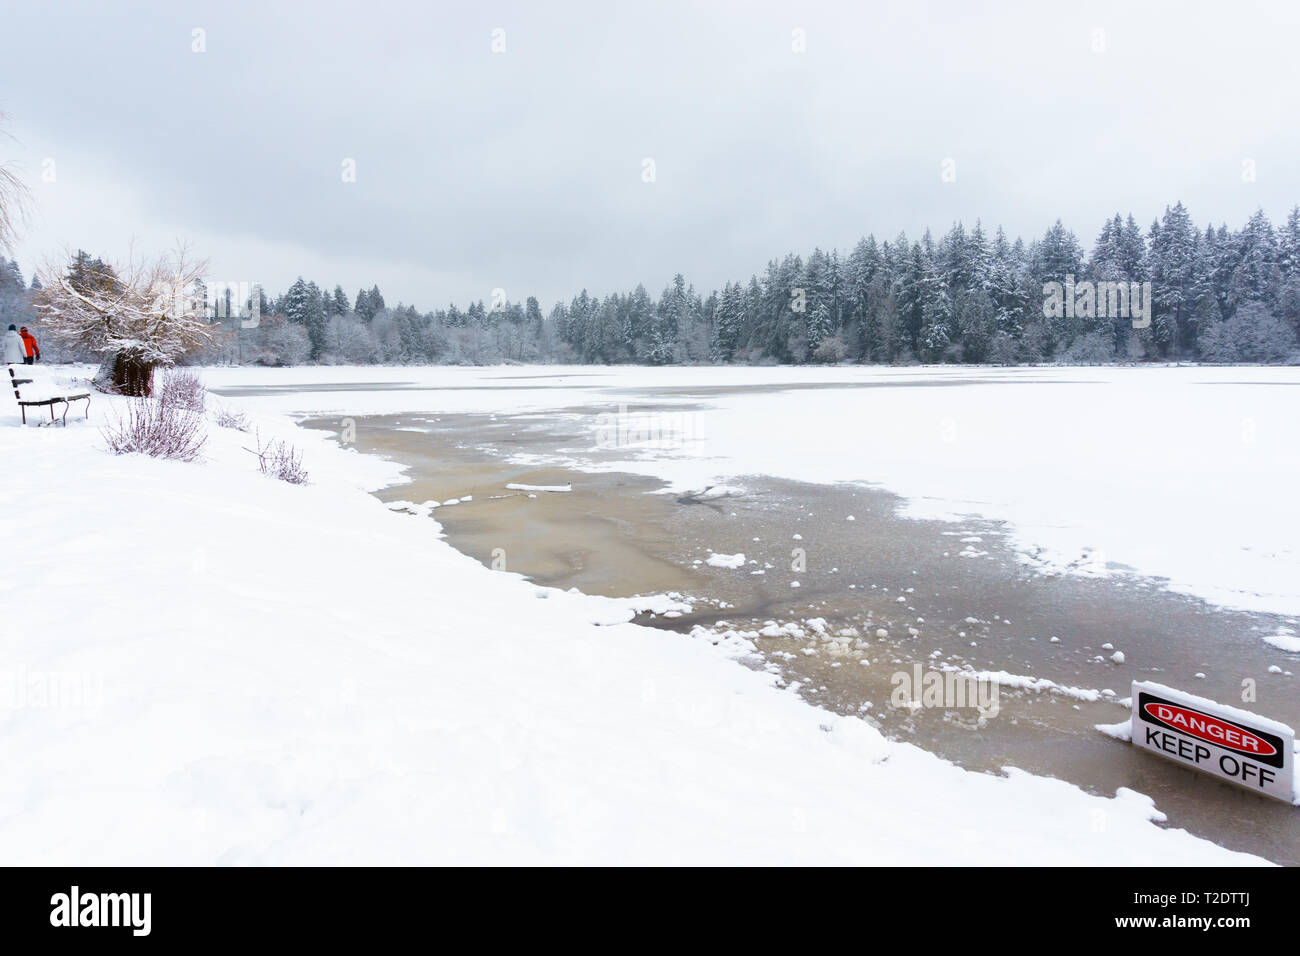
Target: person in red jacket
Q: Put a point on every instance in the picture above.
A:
(29, 346)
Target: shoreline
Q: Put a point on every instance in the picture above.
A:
(299, 675)
(614, 535)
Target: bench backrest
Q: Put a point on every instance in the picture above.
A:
(13, 378)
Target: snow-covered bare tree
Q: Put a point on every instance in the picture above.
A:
(139, 315)
(15, 203)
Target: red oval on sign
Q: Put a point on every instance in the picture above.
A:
(1213, 730)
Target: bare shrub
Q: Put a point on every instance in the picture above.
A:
(184, 389)
(157, 429)
(281, 460)
(231, 418)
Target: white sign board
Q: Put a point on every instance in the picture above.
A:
(1238, 746)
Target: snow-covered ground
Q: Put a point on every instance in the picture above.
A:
(204, 665)
(1184, 473)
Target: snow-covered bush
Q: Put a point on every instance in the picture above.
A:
(1253, 334)
(183, 388)
(281, 342)
(279, 459)
(231, 418)
(1093, 348)
(348, 340)
(830, 351)
(150, 426)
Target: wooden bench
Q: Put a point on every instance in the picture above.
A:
(67, 399)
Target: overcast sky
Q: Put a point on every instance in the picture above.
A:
(524, 169)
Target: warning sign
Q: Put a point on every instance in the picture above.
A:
(1248, 750)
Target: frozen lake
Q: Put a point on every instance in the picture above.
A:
(1151, 510)
(1186, 474)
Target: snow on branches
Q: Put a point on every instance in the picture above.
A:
(15, 204)
(139, 315)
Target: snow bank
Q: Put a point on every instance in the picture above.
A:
(301, 675)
